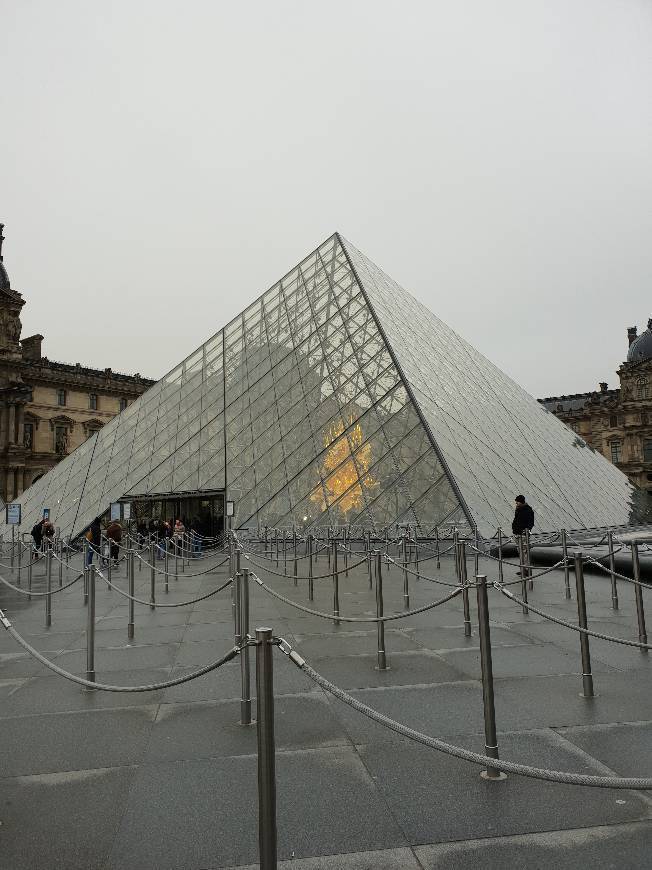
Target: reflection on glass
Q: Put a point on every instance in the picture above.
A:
(339, 469)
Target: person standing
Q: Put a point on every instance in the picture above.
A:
(114, 535)
(179, 531)
(94, 538)
(37, 537)
(523, 516)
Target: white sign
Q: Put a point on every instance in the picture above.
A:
(13, 514)
(230, 508)
(115, 510)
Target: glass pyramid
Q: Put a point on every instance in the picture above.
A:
(337, 398)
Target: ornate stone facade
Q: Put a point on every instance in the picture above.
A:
(47, 408)
(618, 422)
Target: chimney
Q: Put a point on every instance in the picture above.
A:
(32, 347)
(603, 387)
(631, 334)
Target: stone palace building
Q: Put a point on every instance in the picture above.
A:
(618, 422)
(47, 408)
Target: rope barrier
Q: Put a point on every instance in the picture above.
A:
(291, 577)
(571, 625)
(39, 594)
(185, 576)
(162, 603)
(151, 687)
(560, 776)
(620, 576)
(354, 618)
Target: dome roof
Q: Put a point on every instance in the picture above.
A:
(641, 347)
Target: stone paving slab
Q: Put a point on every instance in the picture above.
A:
(388, 859)
(615, 847)
(197, 814)
(212, 728)
(405, 668)
(62, 820)
(623, 748)
(81, 740)
(555, 701)
(435, 797)
(528, 660)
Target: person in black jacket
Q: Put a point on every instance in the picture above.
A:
(523, 516)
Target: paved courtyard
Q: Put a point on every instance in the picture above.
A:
(167, 780)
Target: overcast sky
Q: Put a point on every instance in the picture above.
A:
(163, 163)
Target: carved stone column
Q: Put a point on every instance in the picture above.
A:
(11, 425)
(21, 424)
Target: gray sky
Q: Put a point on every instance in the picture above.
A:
(162, 164)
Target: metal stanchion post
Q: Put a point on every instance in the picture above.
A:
(108, 561)
(638, 593)
(461, 561)
(371, 581)
(500, 555)
(456, 552)
(437, 546)
(48, 597)
(90, 626)
(266, 750)
(382, 657)
(60, 563)
(276, 544)
(490, 740)
(245, 678)
(167, 563)
(522, 572)
(406, 584)
(336, 586)
(20, 560)
(564, 551)
(476, 554)
(311, 582)
(152, 577)
(294, 566)
(130, 568)
(236, 595)
(612, 570)
(587, 676)
(528, 559)
(13, 545)
(328, 544)
(29, 573)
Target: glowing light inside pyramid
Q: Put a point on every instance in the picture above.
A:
(342, 474)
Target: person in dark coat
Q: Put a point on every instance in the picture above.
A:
(114, 534)
(94, 538)
(523, 516)
(37, 536)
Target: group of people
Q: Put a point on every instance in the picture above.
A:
(42, 536)
(113, 535)
(169, 535)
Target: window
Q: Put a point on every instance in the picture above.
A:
(616, 451)
(60, 440)
(92, 401)
(647, 450)
(649, 476)
(61, 397)
(642, 388)
(28, 436)
(643, 418)
(123, 404)
(613, 421)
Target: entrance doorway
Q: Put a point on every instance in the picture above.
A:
(204, 513)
